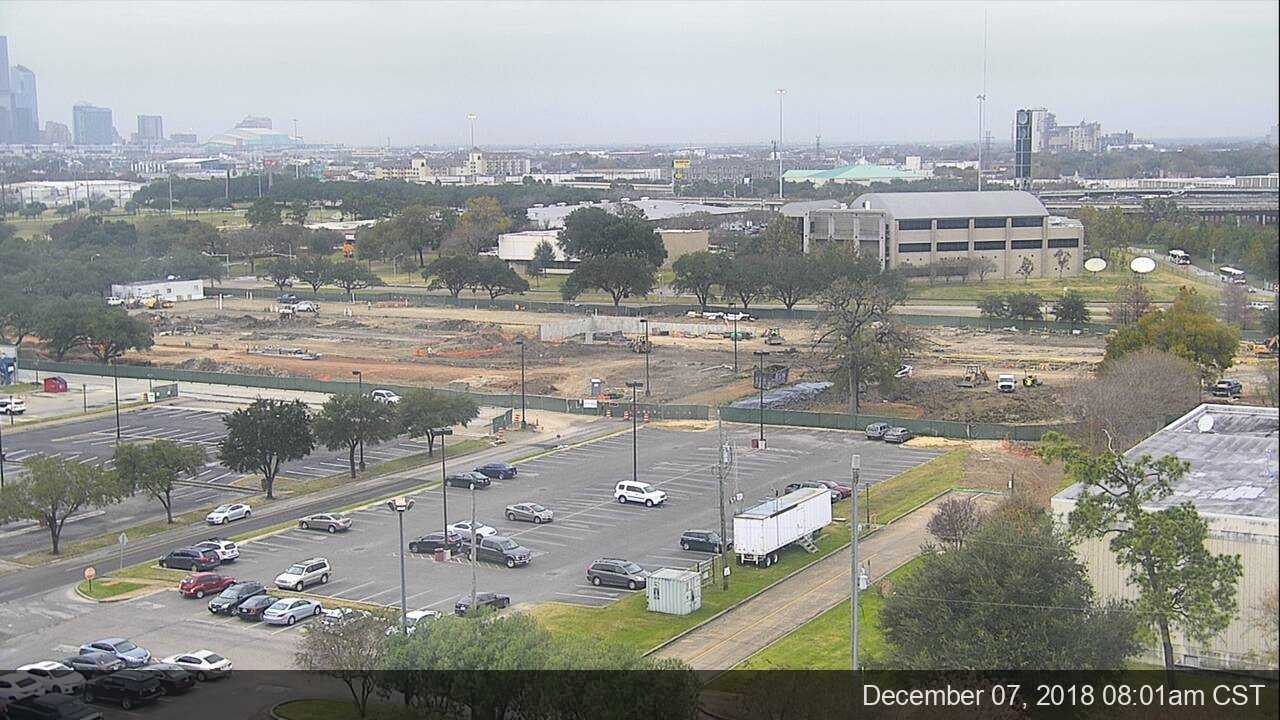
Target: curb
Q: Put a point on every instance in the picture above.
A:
(141, 592)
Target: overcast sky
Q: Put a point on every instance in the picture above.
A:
(611, 73)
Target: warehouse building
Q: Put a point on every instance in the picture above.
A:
(1009, 231)
(1232, 483)
(175, 290)
(517, 248)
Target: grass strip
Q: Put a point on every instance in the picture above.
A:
(103, 588)
(903, 493)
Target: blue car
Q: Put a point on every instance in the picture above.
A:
(498, 471)
(124, 649)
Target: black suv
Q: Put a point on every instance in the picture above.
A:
(431, 542)
(468, 480)
(621, 573)
(498, 549)
(51, 707)
(497, 601)
(127, 687)
(704, 540)
(228, 600)
(193, 559)
(174, 679)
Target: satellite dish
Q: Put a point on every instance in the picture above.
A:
(1205, 423)
(1095, 265)
(1142, 265)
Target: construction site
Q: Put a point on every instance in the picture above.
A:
(952, 375)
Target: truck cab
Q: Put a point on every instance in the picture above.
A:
(1006, 383)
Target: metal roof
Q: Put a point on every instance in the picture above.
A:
(922, 205)
(769, 508)
(1233, 466)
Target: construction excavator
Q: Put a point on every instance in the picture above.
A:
(974, 375)
(773, 336)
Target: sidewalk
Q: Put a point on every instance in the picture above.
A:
(740, 633)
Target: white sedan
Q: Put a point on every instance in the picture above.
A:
(204, 664)
(383, 395)
(464, 528)
(224, 514)
(55, 677)
(17, 686)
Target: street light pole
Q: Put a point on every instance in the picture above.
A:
(443, 433)
(760, 381)
(854, 466)
(401, 505)
(524, 409)
(474, 541)
(644, 322)
(782, 92)
(635, 473)
(1, 456)
(360, 379)
(115, 380)
(735, 338)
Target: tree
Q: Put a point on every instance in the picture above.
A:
(1233, 306)
(414, 231)
(544, 255)
(56, 488)
(265, 434)
(781, 237)
(1132, 302)
(595, 233)
(349, 421)
(983, 266)
(352, 650)
(422, 411)
(1186, 329)
(155, 468)
(1036, 612)
(1026, 268)
(792, 278)
(478, 228)
(1071, 308)
(297, 212)
(993, 305)
(1130, 398)
(280, 271)
(698, 273)
(314, 270)
(19, 317)
(33, 209)
(860, 295)
(452, 272)
(620, 277)
(352, 276)
(497, 278)
(110, 331)
(1025, 306)
(954, 520)
(1062, 260)
(62, 323)
(744, 278)
(263, 212)
(1180, 584)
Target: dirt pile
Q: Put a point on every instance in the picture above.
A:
(205, 364)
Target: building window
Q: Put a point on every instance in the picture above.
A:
(1028, 222)
(953, 246)
(989, 222)
(914, 225)
(953, 224)
(988, 245)
(1064, 242)
(1027, 244)
(913, 247)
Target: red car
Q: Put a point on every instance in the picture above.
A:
(205, 583)
(844, 490)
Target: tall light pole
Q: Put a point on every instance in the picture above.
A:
(735, 337)
(524, 409)
(782, 93)
(1, 456)
(401, 505)
(115, 381)
(474, 541)
(855, 465)
(442, 433)
(360, 380)
(725, 457)
(635, 473)
(644, 323)
(760, 381)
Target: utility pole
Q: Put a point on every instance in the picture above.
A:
(647, 349)
(854, 467)
(472, 607)
(721, 461)
(170, 193)
(782, 93)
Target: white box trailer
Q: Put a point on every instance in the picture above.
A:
(760, 532)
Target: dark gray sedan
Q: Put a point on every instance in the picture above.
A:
(529, 512)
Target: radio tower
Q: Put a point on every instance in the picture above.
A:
(982, 101)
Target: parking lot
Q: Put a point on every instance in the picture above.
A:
(577, 484)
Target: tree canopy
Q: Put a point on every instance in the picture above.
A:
(348, 421)
(620, 277)
(56, 488)
(1187, 329)
(154, 468)
(595, 233)
(265, 434)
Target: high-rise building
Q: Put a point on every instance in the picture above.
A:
(184, 138)
(255, 121)
(25, 112)
(6, 96)
(55, 133)
(150, 128)
(92, 125)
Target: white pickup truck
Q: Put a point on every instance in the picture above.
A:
(1006, 383)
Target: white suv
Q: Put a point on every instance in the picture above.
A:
(12, 406)
(226, 550)
(383, 395)
(307, 572)
(628, 491)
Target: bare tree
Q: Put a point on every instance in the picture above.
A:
(350, 649)
(983, 266)
(1132, 397)
(1265, 619)
(1026, 268)
(1062, 259)
(1131, 303)
(954, 520)
(1233, 306)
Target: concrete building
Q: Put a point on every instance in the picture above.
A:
(1232, 483)
(150, 129)
(917, 231)
(55, 133)
(859, 174)
(92, 125)
(496, 164)
(175, 290)
(25, 108)
(517, 248)
(1048, 136)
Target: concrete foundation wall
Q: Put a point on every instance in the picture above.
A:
(550, 332)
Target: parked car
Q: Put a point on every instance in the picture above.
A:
(307, 572)
(17, 686)
(620, 573)
(334, 616)
(1259, 305)
(330, 522)
(628, 491)
(127, 687)
(792, 487)
(498, 549)
(287, 299)
(204, 583)
(253, 608)
(114, 301)
(228, 600)
(225, 549)
(290, 610)
(463, 528)
(497, 601)
(12, 406)
(529, 512)
(469, 480)
(55, 677)
(224, 514)
(897, 435)
(498, 471)
(123, 648)
(704, 540)
(876, 431)
(174, 679)
(306, 306)
(431, 542)
(1227, 389)
(94, 663)
(204, 664)
(383, 395)
(191, 558)
(50, 707)
(840, 488)
(1006, 383)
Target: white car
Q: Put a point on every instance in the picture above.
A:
(463, 528)
(17, 686)
(305, 306)
(204, 664)
(411, 620)
(224, 514)
(55, 677)
(226, 550)
(638, 492)
(737, 316)
(12, 406)
(383, 395)
(1259, 305)
(114, 301)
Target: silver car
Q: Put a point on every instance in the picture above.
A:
(290, 610)
(307, 572)
(529, 512)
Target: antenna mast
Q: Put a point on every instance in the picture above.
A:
(982, 100)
